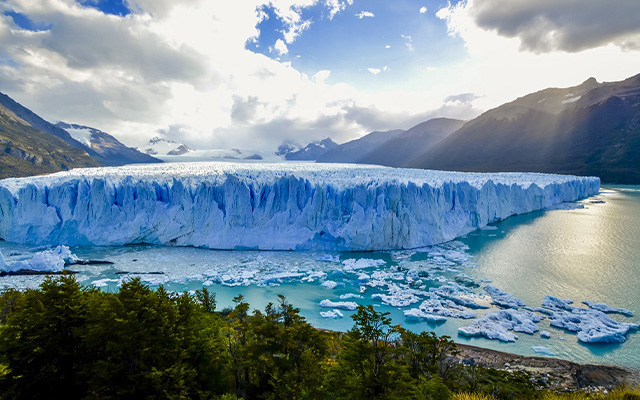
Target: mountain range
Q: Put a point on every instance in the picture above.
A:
(164, 147)
(31, 145)
(26, 150)
(293, 152)
(589, 129)
(109, 150)
(393, 148)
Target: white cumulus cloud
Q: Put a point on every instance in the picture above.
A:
(408, 41)
(281, 47)
(365, 14)
(376, 71)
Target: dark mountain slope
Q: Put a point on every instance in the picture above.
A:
(598, 134)
(404, 147)
(312, 151)
(353, 151)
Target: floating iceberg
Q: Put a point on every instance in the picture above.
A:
(329, 284)
(443, 308)
(51, 260)
(592, 326)
(400, 295)
(499, 324)
(345, 305)
(270, 206)
(331, 314)
(416, 314)
(350, 296)
(555, 303)
(608, 309)
(503, 299)
(457, 294)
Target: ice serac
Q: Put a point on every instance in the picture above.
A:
(270, 206)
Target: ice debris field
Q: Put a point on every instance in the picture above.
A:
(271, 206)
(427, 285)
(329, 210)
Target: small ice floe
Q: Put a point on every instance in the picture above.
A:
(608, 309)
(350, 296)
(500, 324)
(444, 308)
(457, 294)
(331, 314)
(45, 261)
(313, 275)
(330, 258)
(539, 309)
(344, 305)
(400, 255)
(400, 296)
(352, 264)
(104, 282)
(503, 299)
(592, 326)
(489, 228)
(543, 350)
(415, 275)
(555, 303)
(545, 335)
(466, 280)
(329, 284)
(416, 314)
(280, 277)
(485, 280)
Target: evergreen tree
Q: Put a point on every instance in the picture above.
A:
(368, 365)
(42, 343)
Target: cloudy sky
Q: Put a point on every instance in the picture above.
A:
(252, 73)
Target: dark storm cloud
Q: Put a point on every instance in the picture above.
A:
(568, 25)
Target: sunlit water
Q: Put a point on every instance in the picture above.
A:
(582, 254)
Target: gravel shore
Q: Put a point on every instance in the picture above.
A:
(552, 373)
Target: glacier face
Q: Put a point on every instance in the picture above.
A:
(293, 206)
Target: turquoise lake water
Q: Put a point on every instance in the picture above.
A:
(590, 253)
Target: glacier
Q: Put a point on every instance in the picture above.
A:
(292, 206)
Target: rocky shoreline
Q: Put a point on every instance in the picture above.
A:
(552, 373)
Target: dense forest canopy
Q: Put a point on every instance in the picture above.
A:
(74, 342)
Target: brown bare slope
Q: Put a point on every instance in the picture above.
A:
(25, 150)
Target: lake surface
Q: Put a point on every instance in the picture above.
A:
(590, 253)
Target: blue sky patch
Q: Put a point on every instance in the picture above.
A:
(26, 23)
(113, 7)
(371, 43)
